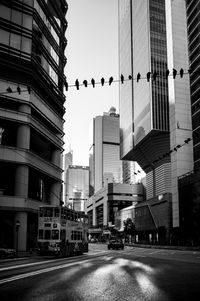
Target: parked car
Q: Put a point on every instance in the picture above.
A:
(7, 253)
(115, 244)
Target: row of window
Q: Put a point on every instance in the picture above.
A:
(64, 213)
(48, 234)
(54, 235)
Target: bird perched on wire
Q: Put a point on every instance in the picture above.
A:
(85, 83)
(77, 84)
(102, 81)
(66, 85)
(138, 77)
(93, 82)
(110, 80)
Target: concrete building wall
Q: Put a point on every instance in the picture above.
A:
(31, 114)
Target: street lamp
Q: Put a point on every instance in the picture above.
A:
(17, 231)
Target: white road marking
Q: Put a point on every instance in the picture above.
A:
(24, 265)
(42, 271)
(41, 262)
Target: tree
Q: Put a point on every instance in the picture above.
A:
(129, 227)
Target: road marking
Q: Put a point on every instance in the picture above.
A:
(41, 262)
(24, 265)
(42, 271)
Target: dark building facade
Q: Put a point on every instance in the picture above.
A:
(32, 44)
(189, 184)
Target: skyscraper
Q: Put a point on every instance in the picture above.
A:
(189, 188)
(32, 44)
(193, 23)
(151, 123)
(105, 163)
(77, 187)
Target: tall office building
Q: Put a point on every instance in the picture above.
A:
(105, 163)
(32, 44)
(67, 160)
(77, 187)
(154, 113)
(189, 188)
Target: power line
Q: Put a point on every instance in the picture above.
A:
(149, 75)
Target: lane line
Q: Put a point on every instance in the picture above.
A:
(46, 270)
(43, 262)
(42, 271)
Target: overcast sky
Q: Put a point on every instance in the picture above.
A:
(92, 52)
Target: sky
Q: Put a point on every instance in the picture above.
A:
(92, 52)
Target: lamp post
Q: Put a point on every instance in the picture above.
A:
(17, 231)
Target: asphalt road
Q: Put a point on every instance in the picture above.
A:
(132, 274)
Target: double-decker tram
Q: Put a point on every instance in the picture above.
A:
(62, 231)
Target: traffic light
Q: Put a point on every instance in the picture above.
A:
(19, 90)
(102, 81)
(93, 82)
(167, 73)
(85, 83)
(77, 84)
(181, 72)
(148, 76)
(138, 77)
(174, 73)
(122, 78)
(110, 80)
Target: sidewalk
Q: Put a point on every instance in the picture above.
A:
(183, 248)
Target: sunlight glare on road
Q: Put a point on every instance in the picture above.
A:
(148, 288)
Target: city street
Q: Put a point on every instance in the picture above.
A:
(131, 274)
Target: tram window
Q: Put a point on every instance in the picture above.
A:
(62, 234)
(56, 212)
(55, 234)
(41, 233)
(41, 212)
(68, 215)
(48, 212)
(47, 234)
(75, 216)
(47, 224)
(63, 213)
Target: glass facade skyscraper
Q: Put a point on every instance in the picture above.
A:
(155, 114)
(144, 105)
(105, 163)
(193, 22)
(77, 187)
